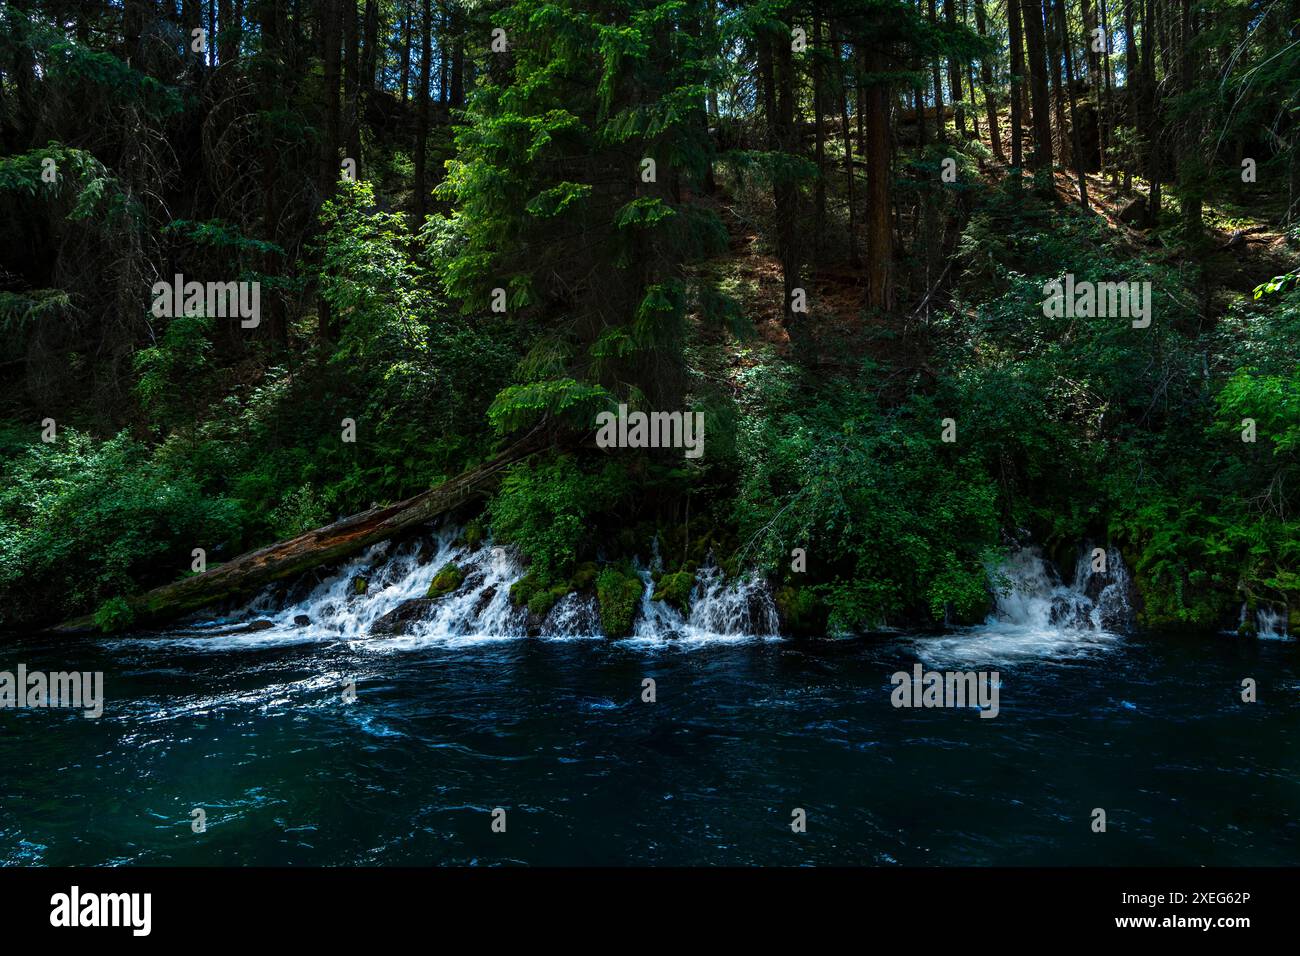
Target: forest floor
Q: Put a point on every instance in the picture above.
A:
(1242, 247)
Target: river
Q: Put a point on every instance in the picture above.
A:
(321, 744)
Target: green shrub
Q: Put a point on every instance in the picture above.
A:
(82, 520)
(548, 511)
(115, 614)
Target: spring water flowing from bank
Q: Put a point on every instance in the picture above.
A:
(391, 610)
(1036, 614)
(325, 743)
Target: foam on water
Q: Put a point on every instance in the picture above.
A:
(1036, 615)
(1270, 622)
(479, 611)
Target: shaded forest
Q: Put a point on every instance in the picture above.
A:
(829, 227)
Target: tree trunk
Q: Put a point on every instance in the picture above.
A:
(406, 50)
(845, 131)
(1034, 44)
(986, 78)
(330, 16)
(352, 80)
(1017, 56)
(880, 234)
(785, 190)
(370, 58)
(247, 574)
(819, 127)
(942, 134)
(421, 185)
(954, 72)
(1076, 139)
(329, 152)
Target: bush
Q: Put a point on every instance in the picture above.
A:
(82, 521)
(549, 512)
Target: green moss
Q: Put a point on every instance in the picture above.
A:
(618, 593)
(542, 601)
(675, 589)
(448, 579)
(473, 534)
(584, 577)
(802, 612)
(359, 585)
(523, 589)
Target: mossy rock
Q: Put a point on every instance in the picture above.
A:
(541, 602)
(803, 613)
(584, 576)
(473, 534)
(675, 589)
(358, 586)
(618, 593)
(448, 579)
(521, 591)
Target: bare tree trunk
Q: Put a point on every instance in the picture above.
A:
(406, 50)
(1034, 46)
(352, 80)
(954, 73)
(786, 192)
(880, 234)
(370, 58)
(938, 88)
(330, 17)
(845, 131)
(819, 128)
(421, 185)
(1075, 136)
(990, 95)
(1017, 83)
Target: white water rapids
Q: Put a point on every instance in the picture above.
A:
(1036, 614)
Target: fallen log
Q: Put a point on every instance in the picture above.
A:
(249, 573)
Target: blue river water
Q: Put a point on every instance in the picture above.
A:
(289, 768)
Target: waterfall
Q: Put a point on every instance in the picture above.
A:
(1270, 622)
(720, 609)
(392, 611)
(1037, 615)
(1034, 595)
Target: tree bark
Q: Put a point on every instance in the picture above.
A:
(986, 78)
(1076, 139)
(421, 185)
(880, 233)
(1036, 54)
(1017, 55)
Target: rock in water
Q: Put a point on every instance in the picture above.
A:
(399, 619)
